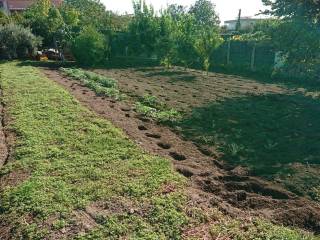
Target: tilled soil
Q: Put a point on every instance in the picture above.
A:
(186, 89)
(4, 150)
(211, 183)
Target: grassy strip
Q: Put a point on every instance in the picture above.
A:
(67, 160)
(98, 83)
(73, 159)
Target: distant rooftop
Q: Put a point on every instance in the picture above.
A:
(20, 5)
(244, 19)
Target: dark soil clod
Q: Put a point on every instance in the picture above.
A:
(185, 172)
(153, 135)
(125, 109)
(177, 156)
(164, 145)
(142, 128)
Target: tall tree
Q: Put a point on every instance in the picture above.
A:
(205, 44)
(308, 9)
(185, 36)
(205, 14)
(176, 11)
(91, 12)
(45, 20)
(144, 30)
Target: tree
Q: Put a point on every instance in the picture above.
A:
(205, 44)
(17, 42)
(91, 12)
(89, 48)
(185, 36)
(205, 14)
(298, 36)
(307, 9)
(165, 45)
(45, 20)
(143, 30)
(4, 18)
(176, 11)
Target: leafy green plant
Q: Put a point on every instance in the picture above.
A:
(17, 41)
(161, 115)
(205, 44)
(89, 47)
(98, 83)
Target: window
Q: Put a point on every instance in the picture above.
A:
(1, 4)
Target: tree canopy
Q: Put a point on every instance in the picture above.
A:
(308, 9)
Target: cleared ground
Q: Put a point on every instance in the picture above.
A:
(270, 128)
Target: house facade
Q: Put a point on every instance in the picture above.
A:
(246, 23)
(10, 6)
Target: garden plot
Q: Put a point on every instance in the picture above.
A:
(230, 188)
(270, 129)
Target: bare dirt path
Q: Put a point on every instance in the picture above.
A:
(211, 184)
(4, 150)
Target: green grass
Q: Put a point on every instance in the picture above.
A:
(98, 83)
(68, 159)
(74, 158)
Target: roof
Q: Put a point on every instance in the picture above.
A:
(243, 19)
(23, 4)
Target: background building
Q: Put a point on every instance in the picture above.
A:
(246, 23)
(10, 6)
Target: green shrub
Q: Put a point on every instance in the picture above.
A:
(89, 47)
(17, 42)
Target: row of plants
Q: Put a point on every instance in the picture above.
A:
(147, 105)
(98, 83)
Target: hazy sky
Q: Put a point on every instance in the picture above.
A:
(227, 9)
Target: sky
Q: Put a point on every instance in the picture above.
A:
(227, 9)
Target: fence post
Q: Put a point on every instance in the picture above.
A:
(228, 52)
(253, 56)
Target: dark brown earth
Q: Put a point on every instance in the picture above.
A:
(4, 151)
(212, 184)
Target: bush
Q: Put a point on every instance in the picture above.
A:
(89, 47)
(17, 42)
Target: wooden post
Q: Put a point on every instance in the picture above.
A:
(228, 53)
(253, 56)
